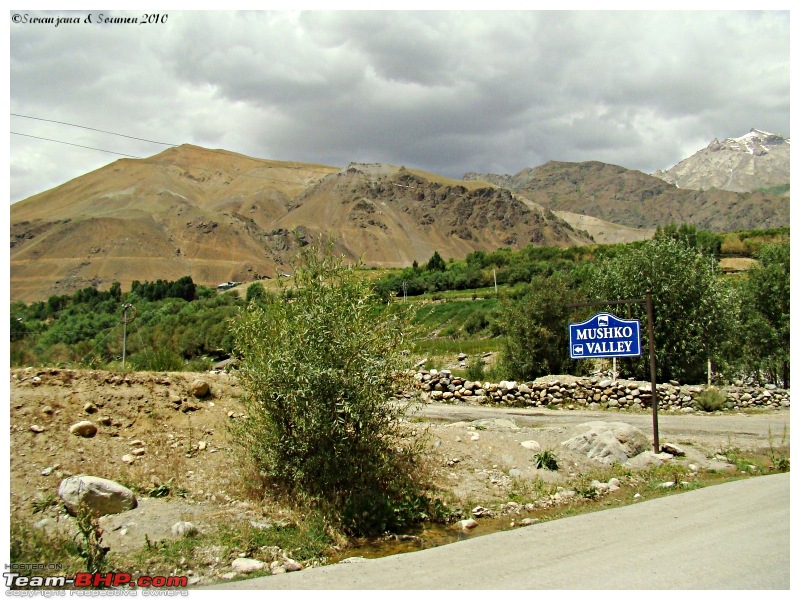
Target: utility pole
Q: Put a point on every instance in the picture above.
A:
(128, 315)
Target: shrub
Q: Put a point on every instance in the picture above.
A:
(475, 369)
(710, 399)
(476, 322)
(318, 373)
(162, 359)
(545, 460)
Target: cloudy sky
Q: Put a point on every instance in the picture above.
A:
(444, 91)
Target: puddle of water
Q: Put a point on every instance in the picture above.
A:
(428, 535)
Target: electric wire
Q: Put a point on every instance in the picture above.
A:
(185, 169)
(71, 144)
(92, 129)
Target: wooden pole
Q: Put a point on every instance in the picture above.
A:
(648, 297)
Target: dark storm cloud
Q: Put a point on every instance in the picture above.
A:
(448, 92)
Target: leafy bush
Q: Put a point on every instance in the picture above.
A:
(545, 460)
(476, 322)
(710, 399)
(318, 373)
(535, 327)
(475, 369)
(162, 359)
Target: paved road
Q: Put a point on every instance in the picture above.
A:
(730, 536)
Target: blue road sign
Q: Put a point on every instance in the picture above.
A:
(604, 336)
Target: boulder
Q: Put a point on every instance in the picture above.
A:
(96, 495)
(200, 388)
(85, 429)
(608, 442)
(647, 459)
(248, 565)
(531, 445)
(183, 529)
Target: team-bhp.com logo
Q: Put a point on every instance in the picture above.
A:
(114, 583)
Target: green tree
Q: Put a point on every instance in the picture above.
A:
(536, 341)
(690, 323)
(766, 301)
(318, 373)
(255, 292)
(436, 263)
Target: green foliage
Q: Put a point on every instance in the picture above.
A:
(86, 328)
(536, 338)
(779, 456)
(777, 190)
(158, 290)
(690, 318)
(766, 319)
(475, 369)
(436, 263)
(90, 546)
(318, 372)
(162, 359)
(31, 547)
(476, 322)
(256, 293)
(711, 399)
(704, 241)
(545, 459)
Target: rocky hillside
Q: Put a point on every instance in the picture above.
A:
(220, 216)
(758, 160)
(633, 199)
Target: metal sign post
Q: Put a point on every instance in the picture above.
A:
(606, 336)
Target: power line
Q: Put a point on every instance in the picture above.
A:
(157, 163)
(71, 144)
(92, 129)
(163, 164)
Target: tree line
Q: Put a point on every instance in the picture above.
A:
(738, 322)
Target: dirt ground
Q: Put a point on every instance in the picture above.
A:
(152, 431)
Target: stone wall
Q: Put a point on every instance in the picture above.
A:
(592, 393)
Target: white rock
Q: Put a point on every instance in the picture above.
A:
(531, 445)
(292, 565)
(97, 495)
(353, 559)
(247, 565)
(183, 529)
(85, 429)
(608, 442)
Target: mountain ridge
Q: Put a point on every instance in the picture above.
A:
(219, 216)
(756, 160)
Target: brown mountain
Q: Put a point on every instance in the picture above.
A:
(633, 199)
(220, 216)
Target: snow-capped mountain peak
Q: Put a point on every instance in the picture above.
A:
(757, 160)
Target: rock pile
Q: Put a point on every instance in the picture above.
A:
(589, 392)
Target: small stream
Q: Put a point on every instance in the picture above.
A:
(428, 535)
